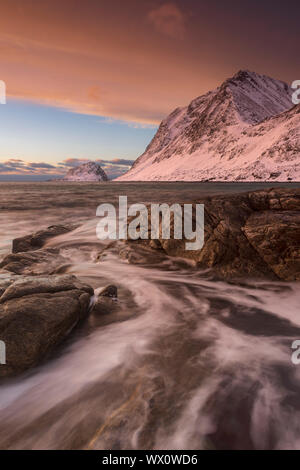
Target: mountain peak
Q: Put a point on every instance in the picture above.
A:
(90, 171)
(244, 74)
(257, 97)
(239, 131)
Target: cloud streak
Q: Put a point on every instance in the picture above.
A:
(168, 19)
(137, 60)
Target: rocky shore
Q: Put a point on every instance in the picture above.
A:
(254, 234)
(39, 308)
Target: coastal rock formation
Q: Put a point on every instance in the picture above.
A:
(253, 234)
(43, 261)
(38, 239)
(275, 236)
(36, 314)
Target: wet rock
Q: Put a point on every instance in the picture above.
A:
(5, 281)
(36, 314)
(106, 302)
(275, 199)
(38, 239)
(109, 291)
(46, 261)
(110, 247)
(104, 306)
(107, 309)
(275, 236)
(155, 244)
(244, 236)
(139, 252)
(28, 285)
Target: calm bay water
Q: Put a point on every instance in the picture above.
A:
(188, 363)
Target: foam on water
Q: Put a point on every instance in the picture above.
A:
(193, 363)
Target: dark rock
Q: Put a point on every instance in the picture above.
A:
(5, 281)
(38, 239)
(275, 199)
(28, 285)
(36, 314)
(109, 291)
(104, 306)
(106, 302)
(140, 252)
(155, 244)
(46, 261)
(253, 234)
(275, 236)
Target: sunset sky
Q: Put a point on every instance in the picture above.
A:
(91, 80)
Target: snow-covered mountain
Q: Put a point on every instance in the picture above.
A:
(89, 171)
(246, 130)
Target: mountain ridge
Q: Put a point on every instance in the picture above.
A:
(233, 133)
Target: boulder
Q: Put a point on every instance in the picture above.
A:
(107, 309)
(109, 291)
(43, 261)
(106, 302)
(36, 314)
(38, 239)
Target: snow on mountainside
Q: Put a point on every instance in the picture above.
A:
(89, 171)
(247, 129)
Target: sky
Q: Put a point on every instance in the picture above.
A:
(92, 80)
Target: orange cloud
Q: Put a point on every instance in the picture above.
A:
(168, 19)
(116, 59)
(105, 59)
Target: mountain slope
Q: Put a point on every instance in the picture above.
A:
(89, 171)
(244, 130)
